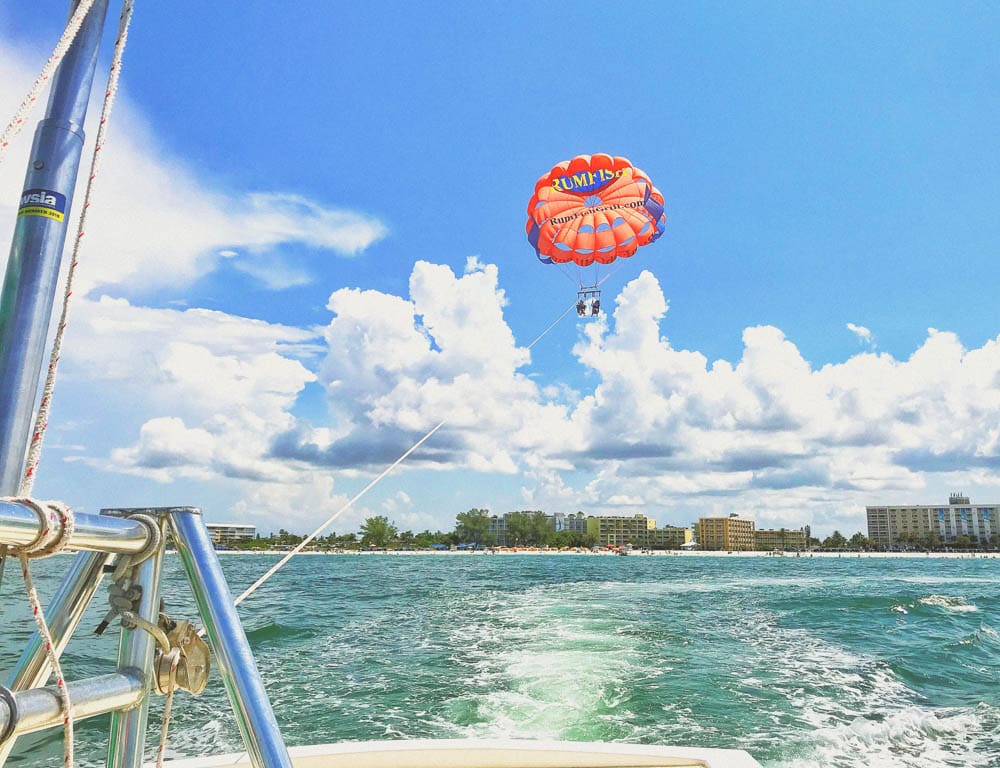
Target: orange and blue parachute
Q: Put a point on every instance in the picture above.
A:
(593, 208)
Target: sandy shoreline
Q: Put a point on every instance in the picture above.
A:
(656, 553)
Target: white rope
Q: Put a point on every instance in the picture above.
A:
(555, 322)
(50, 651)
(603, 280)
(69, 34)
(302, 544)
(175, 658)
(55, 526)
(336, 514)
(42, 417)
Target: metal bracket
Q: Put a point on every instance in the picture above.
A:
(193, 667)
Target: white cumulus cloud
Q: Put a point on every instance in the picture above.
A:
(660, 430)
(210, 388)
(156, 222)
(864, 334)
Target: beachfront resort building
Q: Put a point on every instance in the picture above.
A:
(572, 523)
(732, 533)
(498, 529)
(931, 525)
(560, 521)
(780, 539)
(610, 531)
(668, 537)
(638, 530)
(224, 534)
(619, 531)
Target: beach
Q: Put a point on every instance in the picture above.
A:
(509, 552)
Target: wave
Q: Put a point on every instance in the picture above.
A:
(269, 631)
(949, 603)
(909, 738)
(984, 636)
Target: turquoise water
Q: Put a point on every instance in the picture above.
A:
(804, 662)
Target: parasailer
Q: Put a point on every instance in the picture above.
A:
(593, 209)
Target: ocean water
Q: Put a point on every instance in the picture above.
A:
(804, 662)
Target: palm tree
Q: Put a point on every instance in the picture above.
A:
(835, 540)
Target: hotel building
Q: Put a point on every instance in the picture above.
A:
(573, 523)
(668, 537)
(639, 531)
(890, 527)
(732, 533)
(769, 540)
(618, 531)
(560, 521)
(498, 529)
(224, 534)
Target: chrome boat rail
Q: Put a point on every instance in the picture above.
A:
(26, 302)
(126, 693)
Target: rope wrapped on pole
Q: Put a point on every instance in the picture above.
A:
(20, 525)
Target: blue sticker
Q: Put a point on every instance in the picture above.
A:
(44, 203)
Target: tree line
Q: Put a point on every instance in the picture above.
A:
(906, 541)
(524, 528)
(528, 528)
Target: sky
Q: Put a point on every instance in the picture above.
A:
(307, 248)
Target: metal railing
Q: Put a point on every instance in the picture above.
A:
(126, 693)
(26, 301)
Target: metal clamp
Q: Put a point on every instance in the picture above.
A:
(190, 671)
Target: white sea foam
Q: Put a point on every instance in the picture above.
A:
(857, 712)
(546, 665)
(909, 738)
(206, 737)
(949, 603)
(937, 579)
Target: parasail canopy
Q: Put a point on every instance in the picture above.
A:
(593, 208)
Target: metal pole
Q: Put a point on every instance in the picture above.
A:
(64, 614)
(135, 650)
(254, 716)
(19, 525)
(33, 268)
(41, 708)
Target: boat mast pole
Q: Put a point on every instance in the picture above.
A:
(30, 284)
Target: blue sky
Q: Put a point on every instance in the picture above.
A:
(343, 188)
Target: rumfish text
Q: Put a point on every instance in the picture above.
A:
(588, 181)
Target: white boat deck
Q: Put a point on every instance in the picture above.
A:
(480, 753)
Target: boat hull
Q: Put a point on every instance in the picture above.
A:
(482, 753)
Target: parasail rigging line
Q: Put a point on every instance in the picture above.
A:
(621, 263)
(302, 544)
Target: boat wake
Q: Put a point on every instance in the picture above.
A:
(600, 661)
(550, 662)
(910, 738)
